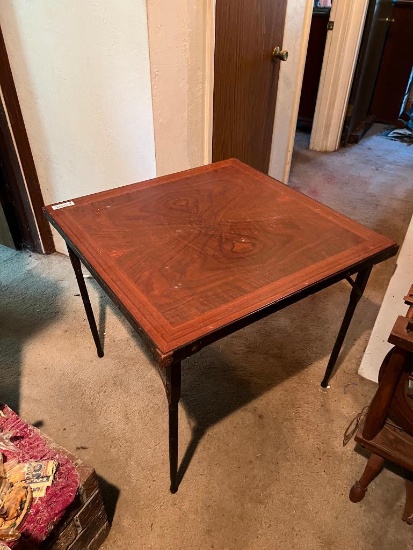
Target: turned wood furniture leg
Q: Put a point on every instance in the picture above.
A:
(408, 507)
(379, 407)
(356, 293)
(373, 467)
(173, 390)
(86, 301)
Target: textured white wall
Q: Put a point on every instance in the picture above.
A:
(391, 307)
(177, 41)
(81, 69)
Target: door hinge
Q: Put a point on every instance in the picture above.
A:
(330, 25)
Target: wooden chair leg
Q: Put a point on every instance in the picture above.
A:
(408, 507)
(373, 467)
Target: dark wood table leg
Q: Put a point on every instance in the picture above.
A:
(379, 407)
(356, 293)
(173, 390)
(373, 468)
(86, 301)
(408, 508)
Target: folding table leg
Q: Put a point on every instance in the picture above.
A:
(86, 301)
(173, 390)
(357, 292)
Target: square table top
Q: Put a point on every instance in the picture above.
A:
(187, 254)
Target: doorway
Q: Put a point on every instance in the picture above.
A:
(6, 238)
(17, 222)
(382, 79)
(343, 46)
(295, 39)
(21, 200)
(16, 229)
(314, 62)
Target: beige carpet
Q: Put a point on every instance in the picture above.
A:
(261, 442)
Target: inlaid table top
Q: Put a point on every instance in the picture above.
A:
(190, 254)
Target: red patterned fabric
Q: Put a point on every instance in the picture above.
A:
(48, 510)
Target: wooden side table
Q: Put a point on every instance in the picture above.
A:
(394, 445)
(387, 428)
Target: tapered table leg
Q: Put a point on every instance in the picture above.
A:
(86, 301)
(357, 292)
(408, 508)
(173, 389)
(373, 467)
(379, 407)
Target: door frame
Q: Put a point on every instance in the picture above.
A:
(24, 184)
(209, 79)
(339, 64)
(22, 228)
(295, 41)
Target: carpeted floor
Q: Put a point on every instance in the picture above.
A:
(261, 442)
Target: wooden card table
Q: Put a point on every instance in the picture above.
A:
(192, 257)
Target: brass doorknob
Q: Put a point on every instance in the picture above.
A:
(278, 53)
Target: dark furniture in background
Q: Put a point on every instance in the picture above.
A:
(313, 65)
(359, 117)
(396, 65)
(383, 68)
